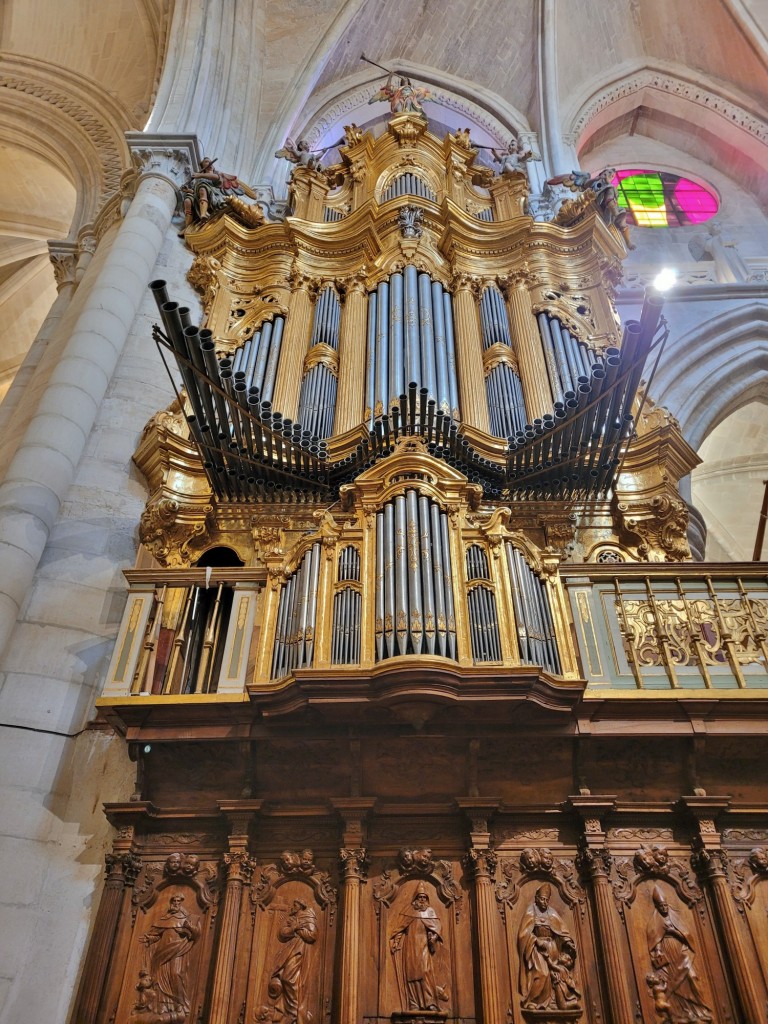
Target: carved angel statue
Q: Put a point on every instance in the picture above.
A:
(209, 191)
(606, 197)
(300, 154)
(403, 97)
(514, 157)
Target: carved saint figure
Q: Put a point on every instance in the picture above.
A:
(169, 942)
(413, 944)
(547, 955)
(675, 984)
(288, 982)
(209, 191)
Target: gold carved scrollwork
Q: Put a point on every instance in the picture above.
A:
(662, 525)
(324, 355)
(175, 535)
(205, 277)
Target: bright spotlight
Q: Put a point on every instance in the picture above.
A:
(665, 279)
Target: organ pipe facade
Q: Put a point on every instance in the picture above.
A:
(412, 539)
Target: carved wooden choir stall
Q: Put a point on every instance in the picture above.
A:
(432, 718)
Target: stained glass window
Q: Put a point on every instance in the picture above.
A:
(656, 199)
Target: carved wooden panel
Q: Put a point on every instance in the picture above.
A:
(169, 936)
(417, 945)
(549, 942)
(290, 948)
(750, 890)
(675, 961)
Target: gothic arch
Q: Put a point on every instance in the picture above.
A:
(726, 361)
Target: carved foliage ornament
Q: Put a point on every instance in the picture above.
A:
(170, 536)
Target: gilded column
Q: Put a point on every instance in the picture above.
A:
(469, 352)
(46, 459)
(594, 862)
(238, 867)
(298, 327)
(122, 868)
(709, 861)
(353, 347)
(530, 353)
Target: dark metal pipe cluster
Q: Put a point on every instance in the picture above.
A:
(483, 624)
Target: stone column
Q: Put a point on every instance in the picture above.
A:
(482, 859)
(353, 348)
(239, 868)
(594, 862)
(528, 345)
(122, 869)
(293, 351)
(48, 454)
(709, 861)
(473, 400)
(555, 153)
(353, 811)
(64, 256)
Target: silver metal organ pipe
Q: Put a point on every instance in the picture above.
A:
(401, 566)
(426, 324)
(451, 353)
(412, 324)
(388, 572)
(268, 386)
(372, 356)
(396, 351)
(416, 617)
(441, 347)
(450, 611)
(425, 538)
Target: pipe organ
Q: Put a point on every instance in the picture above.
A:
(407, 551)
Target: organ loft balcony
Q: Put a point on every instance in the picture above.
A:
(414, 469)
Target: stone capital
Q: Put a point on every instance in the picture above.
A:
(63, 256)
(172, 157)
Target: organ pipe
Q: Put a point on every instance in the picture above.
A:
(413, 580)
(296, 617)
(535, 629)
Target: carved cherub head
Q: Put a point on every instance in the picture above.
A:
(173, 864)
(660, 856)
(190, 865)
(529, 859)
(307, 861)
(423, 859)
(758, 859)
(546, 860)
(289, 861)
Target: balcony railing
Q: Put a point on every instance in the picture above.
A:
(671, 627)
